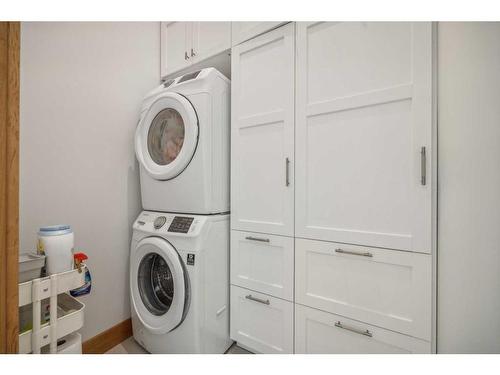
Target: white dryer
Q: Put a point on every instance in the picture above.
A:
(182, 144)
(179, 282)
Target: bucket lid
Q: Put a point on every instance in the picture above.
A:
(55, 230)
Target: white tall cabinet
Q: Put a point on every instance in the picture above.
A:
(363, 142)
(243, 31)
(262, 133)
(332, 187)
(262, 191)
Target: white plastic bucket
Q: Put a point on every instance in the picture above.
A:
(57, 244)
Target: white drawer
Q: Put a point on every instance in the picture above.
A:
(262, 323)
(262, 262)
(386, 288)
(318, 332)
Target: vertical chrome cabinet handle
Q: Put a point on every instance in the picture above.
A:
(257, 239)
(186, 57)
(287, 172)
(252, 298)
(221, 310)
(355, 330)
(423, 166)
(341, 251)
(192, 53)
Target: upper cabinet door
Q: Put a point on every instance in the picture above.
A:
(262, 133)
(209, 39)
(363, 133)
(242, 31)
(176, 39)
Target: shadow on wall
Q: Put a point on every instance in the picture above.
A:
(133, 209)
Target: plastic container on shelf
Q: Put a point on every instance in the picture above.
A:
(30, 266)
(57, 244)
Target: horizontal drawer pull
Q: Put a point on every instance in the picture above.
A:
(355, 330)
(257, 239)
(250, 297)
(366, 254)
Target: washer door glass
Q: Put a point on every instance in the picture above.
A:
(159, 285)
(166, 136)
(156, 284)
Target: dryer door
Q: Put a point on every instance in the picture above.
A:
(159, 285)
(167, 136)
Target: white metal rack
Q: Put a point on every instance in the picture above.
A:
(69, 319)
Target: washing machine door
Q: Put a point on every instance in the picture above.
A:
(167, 136)
(159, 285)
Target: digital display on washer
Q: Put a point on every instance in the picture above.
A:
(180, 224)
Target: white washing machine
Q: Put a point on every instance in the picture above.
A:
(182, 144)
(179, 282)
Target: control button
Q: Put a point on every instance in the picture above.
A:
(159, 222)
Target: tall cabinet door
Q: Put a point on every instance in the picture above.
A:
(262, 133)
(241, 31)
(363, 133)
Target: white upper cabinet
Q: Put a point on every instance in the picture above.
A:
(242, 31)
(175, 39)
(186, 43)
(209, 39)
(262, 133)
(363, 133)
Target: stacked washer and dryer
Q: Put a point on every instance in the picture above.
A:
(179, 259)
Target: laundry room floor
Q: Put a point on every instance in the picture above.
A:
(129, 346)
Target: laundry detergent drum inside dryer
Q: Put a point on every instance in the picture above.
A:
(182, 145)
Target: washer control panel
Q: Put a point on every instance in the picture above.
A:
(173, 224)
(180, 224)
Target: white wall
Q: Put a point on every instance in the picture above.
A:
(81, 88)
(469, 188)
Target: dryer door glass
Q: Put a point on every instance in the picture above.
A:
(156, 284)
(166, 136)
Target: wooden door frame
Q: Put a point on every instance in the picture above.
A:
(9, 185)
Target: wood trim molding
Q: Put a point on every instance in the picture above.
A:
(9, 185)
(108, 339)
